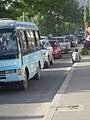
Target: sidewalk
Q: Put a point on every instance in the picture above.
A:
(72, 101)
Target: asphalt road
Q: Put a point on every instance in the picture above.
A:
(33, 103)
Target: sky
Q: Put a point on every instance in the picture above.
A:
(82, 3)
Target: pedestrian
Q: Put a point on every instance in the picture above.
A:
(76, 56)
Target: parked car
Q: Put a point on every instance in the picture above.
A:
(63, 43)
(73, 40)
(80, 38)
(47, 51)
(43, 37)
(57, 53)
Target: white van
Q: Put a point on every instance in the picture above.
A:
(47, 51)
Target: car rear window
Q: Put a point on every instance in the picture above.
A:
(53, 43)
(60, 39)
(71, 38)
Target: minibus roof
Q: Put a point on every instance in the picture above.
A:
(17, 24)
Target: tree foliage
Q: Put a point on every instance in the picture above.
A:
(52, 16)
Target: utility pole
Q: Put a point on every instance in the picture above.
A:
(85, 15)
(23, 13)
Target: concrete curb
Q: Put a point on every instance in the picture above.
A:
(50, 113)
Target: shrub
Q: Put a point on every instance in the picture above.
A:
(84, 51)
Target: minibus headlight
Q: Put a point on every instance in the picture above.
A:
(20, 71)
(10, 71)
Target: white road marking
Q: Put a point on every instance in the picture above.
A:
(57, 69)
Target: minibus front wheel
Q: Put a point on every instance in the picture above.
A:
(24, 83)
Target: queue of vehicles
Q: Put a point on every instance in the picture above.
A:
(23, 53)
(60, 45)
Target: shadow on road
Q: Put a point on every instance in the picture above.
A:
(38, 91)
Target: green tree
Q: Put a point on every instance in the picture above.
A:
(86, 15)
(4, 4)
(52, 16)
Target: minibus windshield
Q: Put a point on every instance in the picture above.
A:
(8, 41)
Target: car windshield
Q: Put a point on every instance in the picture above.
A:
(60, 39)
(66, 38)
(79, 37)
(71, 38)
(53, 43)
(8, 41)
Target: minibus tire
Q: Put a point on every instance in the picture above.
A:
(24, 83)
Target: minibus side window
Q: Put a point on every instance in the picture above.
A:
(37, 38)
(29, 40)
(32, 40)
(23, 40)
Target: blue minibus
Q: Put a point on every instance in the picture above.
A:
(20, 53)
